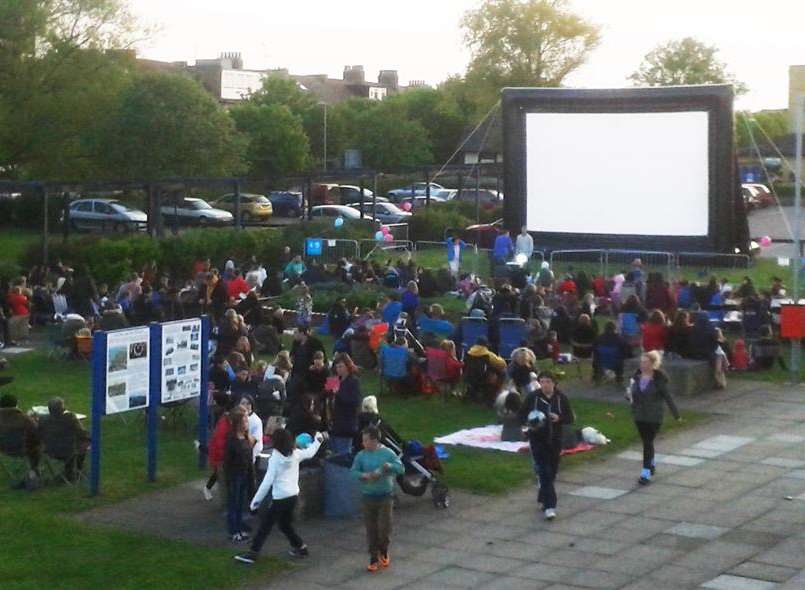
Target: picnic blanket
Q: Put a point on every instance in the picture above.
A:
(488, 437)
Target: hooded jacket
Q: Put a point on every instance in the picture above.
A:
(647, 405)
(494, 360)
(550, 433)
(282, 475)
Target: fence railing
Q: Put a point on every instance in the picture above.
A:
(591, 261)
(377, 248)
(399, 231)
(708, 260)
(334, 250)
(650, 261)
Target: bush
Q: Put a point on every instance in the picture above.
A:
(430, 224)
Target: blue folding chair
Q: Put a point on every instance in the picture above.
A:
(607, 358)
(715, 311)
(511, 333)
(393, 364)
(471, 330)
(630, 328)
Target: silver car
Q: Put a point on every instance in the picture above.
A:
(105, 214)
(195, 211)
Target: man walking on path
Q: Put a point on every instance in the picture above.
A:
(376, 466)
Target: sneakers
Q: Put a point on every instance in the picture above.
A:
(385, 560)
(653, 469)
(207, 493)
(372, 567)
(239, 537)
(550, 514)
(299, 552)
(249, 557)
(644, 481)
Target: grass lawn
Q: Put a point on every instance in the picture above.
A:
(14, 243)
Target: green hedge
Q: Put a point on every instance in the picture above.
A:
(109, 258)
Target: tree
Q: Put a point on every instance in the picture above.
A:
(59, 73)
(773, 124)
(438, 115)
(167, 125)
(386, 137)
(683, 62)
(525, 43)
(277, 144)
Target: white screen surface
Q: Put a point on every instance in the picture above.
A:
(618, 173)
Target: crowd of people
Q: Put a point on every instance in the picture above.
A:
(300, 405)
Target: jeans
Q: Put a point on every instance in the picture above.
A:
(648, 431)
(280, 512)
(237, 487)
(341, 445)
(546, 467)
(377, 518)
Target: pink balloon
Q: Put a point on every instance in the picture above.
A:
(384, 229)
(388, 238)
(406, 206)
(765, 241)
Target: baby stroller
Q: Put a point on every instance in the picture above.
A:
(417, 476)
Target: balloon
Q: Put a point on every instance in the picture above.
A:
(384, 229)
(388, 238)
(339, 221)
(406, 206)
(765, 241)
(379, 235)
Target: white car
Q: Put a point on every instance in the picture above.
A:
(195, 211)
(334, 211)
(105, 214)
(384, 212)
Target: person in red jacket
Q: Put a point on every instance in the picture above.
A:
(237, 286)
(17, 302)
(568, 286)
(453, 366)
(655, 332)
(216, 450)
(600, 286)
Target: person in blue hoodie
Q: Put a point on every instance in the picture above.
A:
(454, 247)
(392, 309)
(376, 467)
(504, 248)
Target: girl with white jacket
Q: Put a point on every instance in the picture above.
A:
(282, 477)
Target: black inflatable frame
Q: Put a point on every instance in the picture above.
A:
(727, 218)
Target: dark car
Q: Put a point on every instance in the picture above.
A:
(286, 203)
(488, 198)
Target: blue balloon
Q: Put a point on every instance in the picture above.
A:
(339, 221)
(304, 440)
(379, 236)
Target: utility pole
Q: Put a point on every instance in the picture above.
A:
(795, 342)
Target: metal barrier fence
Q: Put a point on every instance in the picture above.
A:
(707, 263)
(617, 260)
(399, 231)
(590, 261)
(383, 249)
(334, 250)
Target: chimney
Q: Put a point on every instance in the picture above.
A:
(388, 79)
(354, 75)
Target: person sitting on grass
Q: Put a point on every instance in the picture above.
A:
(369, 416)
(376, 467)
(19, 436)
(282, 478)
(64, 438)
(507, 408)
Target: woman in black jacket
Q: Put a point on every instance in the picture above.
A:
(545, 411)
(346, 404)
(648, 394)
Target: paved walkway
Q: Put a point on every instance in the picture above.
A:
(726, 511)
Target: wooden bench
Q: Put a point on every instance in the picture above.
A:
(686, 377)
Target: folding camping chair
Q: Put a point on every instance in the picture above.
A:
(606, 358)
(393, 364)
(630, 328)
(437, 370)
(58, 450)
(13, 460)
(471, 330)
(511, 334)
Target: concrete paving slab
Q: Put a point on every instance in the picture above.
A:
(787, 438)
(724, 443)
(783, 462)
(661, 458)
(697, 531)
(728, 582)
(599, 492)
(763, 571)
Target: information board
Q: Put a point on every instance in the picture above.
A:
(127, 370)
(181, 360)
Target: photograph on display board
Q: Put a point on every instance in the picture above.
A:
(181, 375)
(127, 369)
(118, 359)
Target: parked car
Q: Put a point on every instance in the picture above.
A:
(488, 198)
(286, 203)
(761, 192)
(750, 197)
(105, 214)
(482, 234)
(340, 194)
(348, 213)
(252, 207)
(384, 212)
(195, 211)
(420, 202)
(416, 189)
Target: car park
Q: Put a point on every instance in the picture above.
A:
(252, 207)
(384, 212)
(105, 214)
(349, 214)
(286, 203)
(416, 189)
(195, 211)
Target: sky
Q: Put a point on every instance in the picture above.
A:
(422, 39)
